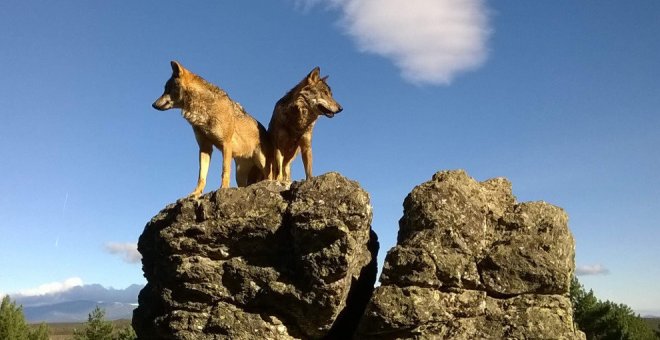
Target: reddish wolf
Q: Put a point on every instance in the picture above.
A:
(218, 120)
(293, 120)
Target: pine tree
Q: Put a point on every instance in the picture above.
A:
(606, 319)
(126, 333)
(13, 325)
(40, 333)
(96, 327)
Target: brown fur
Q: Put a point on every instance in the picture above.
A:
(218, 121)
(292, 123)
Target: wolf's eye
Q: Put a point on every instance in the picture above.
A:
(168, 86)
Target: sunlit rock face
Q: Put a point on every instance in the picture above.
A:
(272, 261)
(472, 263)
(263, 262)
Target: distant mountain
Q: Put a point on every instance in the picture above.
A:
(77, 311)
(75, 304)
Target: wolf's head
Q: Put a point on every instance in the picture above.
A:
(318, 95)
(173, 95)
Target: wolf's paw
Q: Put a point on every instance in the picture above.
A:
(194, 195)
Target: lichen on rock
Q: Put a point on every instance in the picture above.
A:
(275, 262)
(262, 262)
(472, 263)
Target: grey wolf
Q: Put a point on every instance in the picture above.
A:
(218, 121)
(292, 123)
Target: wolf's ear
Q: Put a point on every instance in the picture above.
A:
(177, 69)
(314, 76)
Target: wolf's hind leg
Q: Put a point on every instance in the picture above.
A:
(243, 169)
(262, 166)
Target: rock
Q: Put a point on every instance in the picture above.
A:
(472, 263)
(271, 262)
(261, 262)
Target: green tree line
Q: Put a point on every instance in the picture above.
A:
(14, 327)
(599, 320)
(605, 320)
(97, 328)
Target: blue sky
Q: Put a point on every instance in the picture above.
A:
(560, 97)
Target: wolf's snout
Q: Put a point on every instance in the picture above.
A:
(339, 108)
(161, 104)
(158, 106)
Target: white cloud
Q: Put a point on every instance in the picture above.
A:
(52, 288)
(128, 251)
(430, 41)
(595, 269)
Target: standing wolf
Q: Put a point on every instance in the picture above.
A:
(218, 120)
(293, 120)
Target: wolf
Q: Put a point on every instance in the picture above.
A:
(218, 121)
(292, 123)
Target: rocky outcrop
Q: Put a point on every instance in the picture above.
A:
(276, 262)
(262, 262)
(472, 263)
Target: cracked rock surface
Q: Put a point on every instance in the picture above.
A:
(472, 263)
(299, 262)
(261, 262)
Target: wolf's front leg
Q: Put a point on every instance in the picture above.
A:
(286, 167)
(306, 151)
(204, 161)
(226, 164)
(277, 165)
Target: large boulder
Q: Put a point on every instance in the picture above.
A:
(472, 263)
(262, 262)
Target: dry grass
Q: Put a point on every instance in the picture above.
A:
(64, 331)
